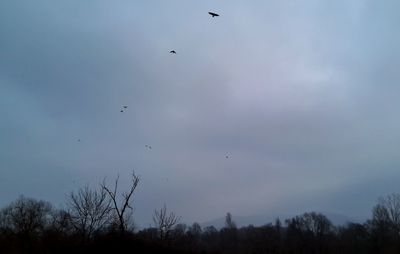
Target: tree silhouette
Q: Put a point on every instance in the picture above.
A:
(229, 223)
(27, 216)
(387, 212)
(122, 209)
(164, 221)
(90, 210)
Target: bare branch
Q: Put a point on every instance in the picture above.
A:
(164, 221)
(89, 209)
(121, 210)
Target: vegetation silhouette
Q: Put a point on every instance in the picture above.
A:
(99, 220)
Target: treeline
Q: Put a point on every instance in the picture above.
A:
(100, 220)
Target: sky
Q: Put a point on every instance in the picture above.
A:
(302, 96)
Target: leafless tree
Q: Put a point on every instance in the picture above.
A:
(164, 221)
(315, 223)
(61, 222)
(229, 223)
(26, 216)
(122, 206)
(387, 213)
(89, 209)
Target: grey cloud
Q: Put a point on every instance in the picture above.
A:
(302, 96)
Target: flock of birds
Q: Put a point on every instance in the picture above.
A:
(213, 14)
(124, 107)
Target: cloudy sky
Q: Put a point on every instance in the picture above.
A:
(301, 95)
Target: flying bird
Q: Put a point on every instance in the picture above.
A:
(147, 146)
(172, 52)
(125, 106)
(121, 111)
(227, 157)
(213, 14)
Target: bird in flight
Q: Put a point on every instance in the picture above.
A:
(148, 146)
(172, 52)
(213, 14)
(125, 106)
(227, 157)
(121, 111)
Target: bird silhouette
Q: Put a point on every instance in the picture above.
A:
(172, 52)
(213, 14)
(121, 111)
(227, 157)
(125, 106)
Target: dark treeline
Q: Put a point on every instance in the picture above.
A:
(100, 220)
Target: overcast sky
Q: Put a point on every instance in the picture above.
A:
(302, 96)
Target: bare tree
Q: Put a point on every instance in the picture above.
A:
(122, 208)
(61, 222)
(387, 213)
(229, 234)
(89, 209)
(229, 223)
(315, 223)
(315, 227)
(26, 216)
(165, 221)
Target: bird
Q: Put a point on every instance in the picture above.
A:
(125, 106)
(147, 146)
(172, 52)
(227, 157)
(213, 14)
(121, 111)
(79, 140)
